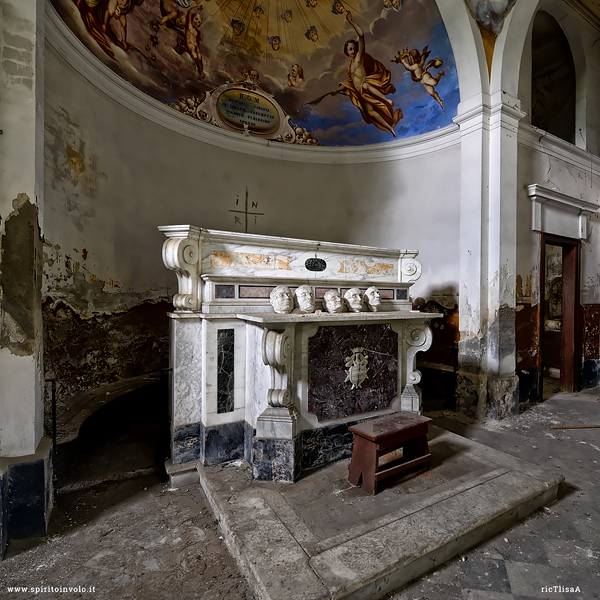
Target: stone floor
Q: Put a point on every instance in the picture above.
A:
(137, 539)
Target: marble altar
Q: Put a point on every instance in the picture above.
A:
(263, 368)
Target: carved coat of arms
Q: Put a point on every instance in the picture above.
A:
(357, 368)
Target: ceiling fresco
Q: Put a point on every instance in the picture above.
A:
(310, 72)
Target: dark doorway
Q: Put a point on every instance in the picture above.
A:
(559, 300)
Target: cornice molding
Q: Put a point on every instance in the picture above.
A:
(542, 141)
(539, 193)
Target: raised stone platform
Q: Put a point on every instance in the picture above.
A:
(323, 538)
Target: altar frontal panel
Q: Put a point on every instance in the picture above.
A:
(352, 370)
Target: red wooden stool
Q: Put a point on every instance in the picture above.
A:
(376, 438)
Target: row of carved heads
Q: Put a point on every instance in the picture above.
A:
(303, 300)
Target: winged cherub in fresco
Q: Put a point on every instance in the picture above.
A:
(97, 15)
(367, 84)
(193, 37)
(414, 62)
(119, 9)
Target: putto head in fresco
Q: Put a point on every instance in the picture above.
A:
(296, 77)
(275, 42)
(337, 8)
(312, 34)
(180, 50)
(237, 27)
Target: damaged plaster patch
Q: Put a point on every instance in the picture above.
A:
(20, 277)
(71, 167)
(83, 353)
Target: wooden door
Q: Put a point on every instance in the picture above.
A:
(559, 339)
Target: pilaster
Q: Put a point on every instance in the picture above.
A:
(21, 230)
(487, 384)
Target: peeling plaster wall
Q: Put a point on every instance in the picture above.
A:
(112, 177)
(568, 174)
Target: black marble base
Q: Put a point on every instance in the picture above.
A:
(3, 515)
(187, 443)
(249, 433)
(26, 496)
(590, 374)
(211, 445)
(528, 385)
(327, 444)
(223, 443)
(276, 460)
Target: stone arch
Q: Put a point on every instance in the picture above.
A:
(512, 41)
(468, 50)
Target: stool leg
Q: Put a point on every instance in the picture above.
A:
(356, 462)
(364, 463)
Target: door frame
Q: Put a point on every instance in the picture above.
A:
(571, 339)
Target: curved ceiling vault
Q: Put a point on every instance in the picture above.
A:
(264, 68)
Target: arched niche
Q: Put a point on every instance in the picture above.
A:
(513, 54)
(553, 79)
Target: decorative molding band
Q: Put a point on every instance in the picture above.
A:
(540, 140)
(93, 70)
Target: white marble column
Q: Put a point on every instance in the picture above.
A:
(487, 383)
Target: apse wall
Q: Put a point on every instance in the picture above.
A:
(113, 176)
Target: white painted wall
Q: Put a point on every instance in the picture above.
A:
(126, 175)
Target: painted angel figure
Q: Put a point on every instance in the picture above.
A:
(414, 62)
(367, 84)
